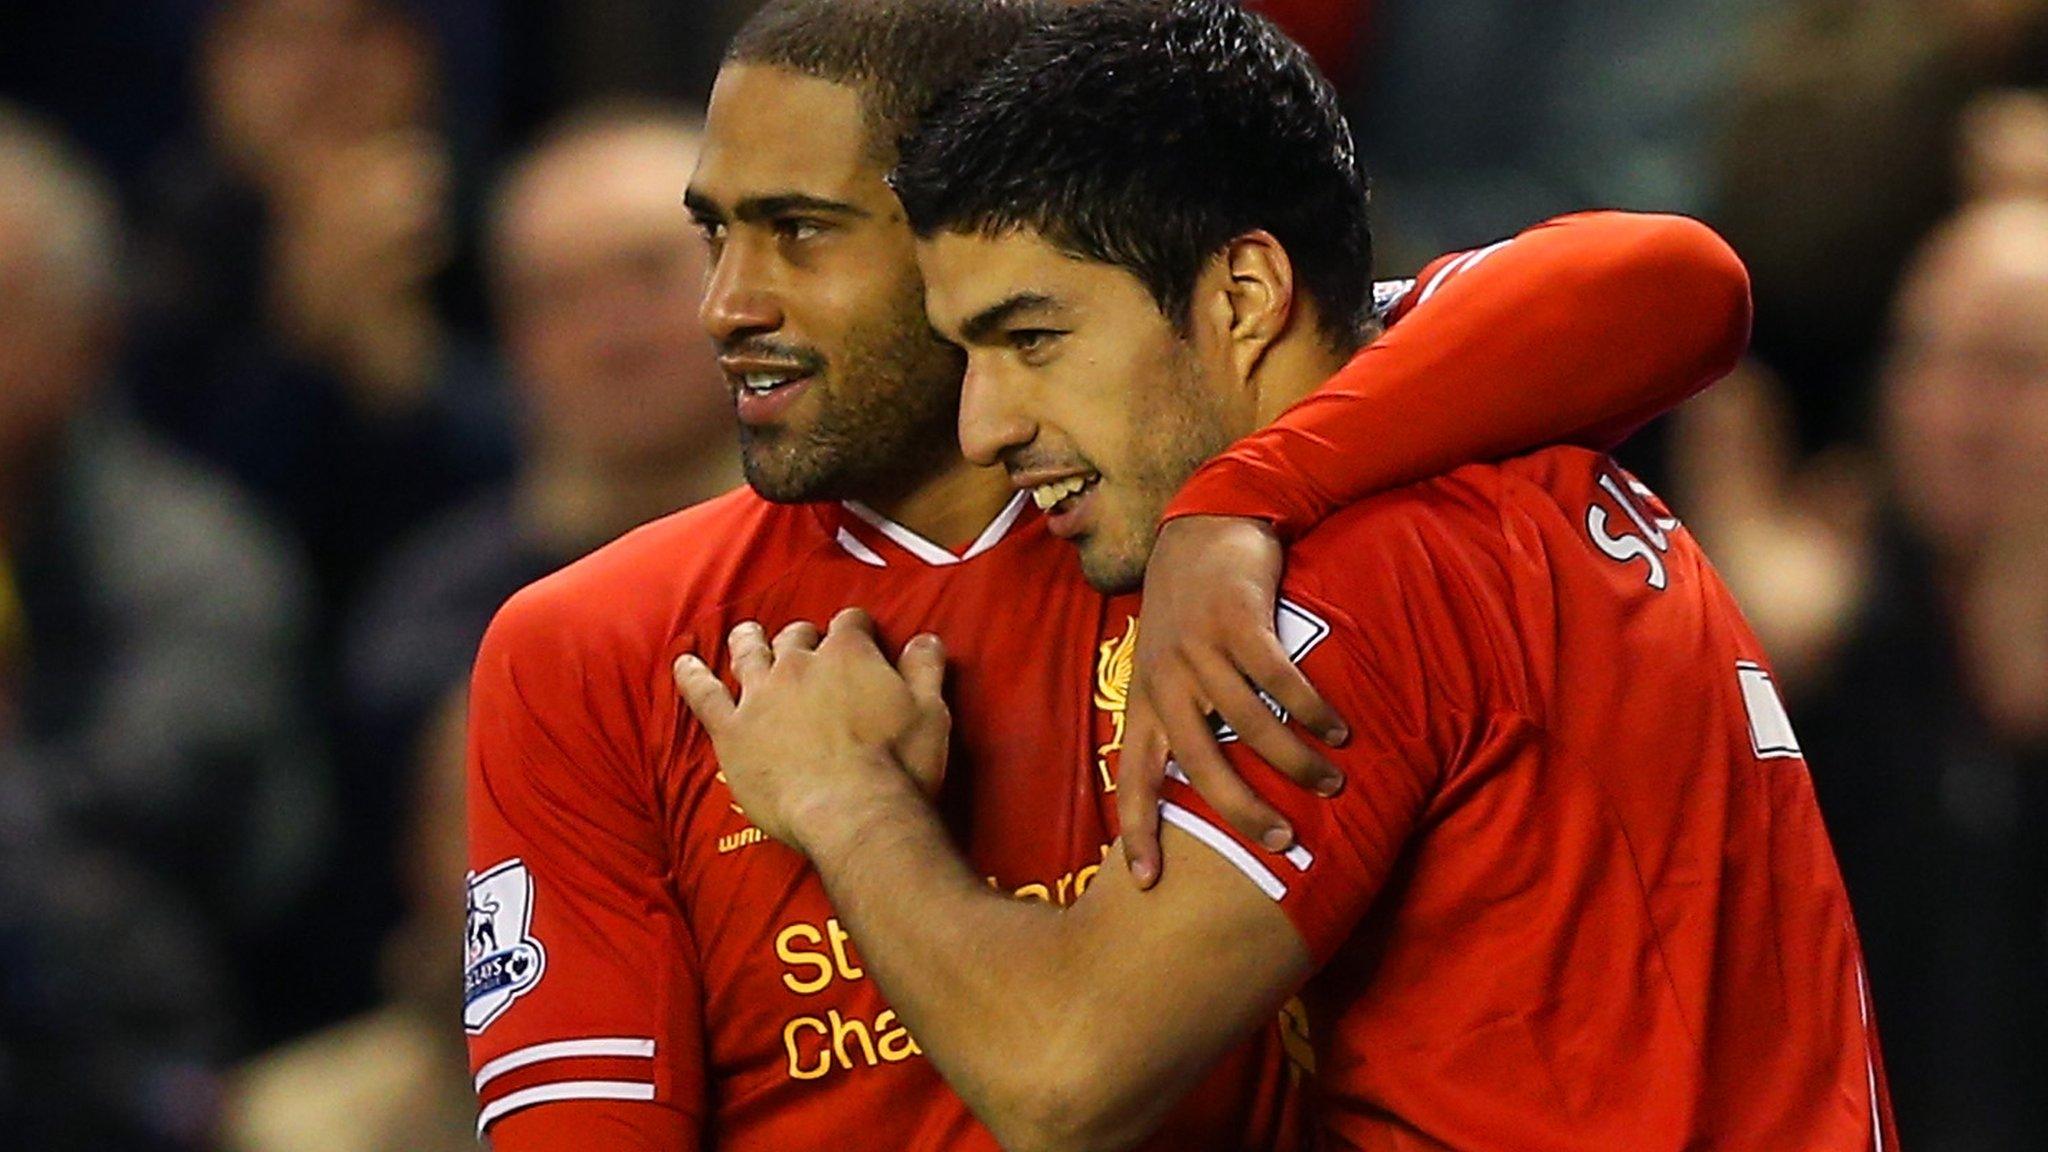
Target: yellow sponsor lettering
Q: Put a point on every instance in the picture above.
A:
(893, 1040)
(842, 1029)
(798, 1070)
(847, 968)
(786, 951)
(818, 1046)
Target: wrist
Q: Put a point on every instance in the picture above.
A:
(830, 823)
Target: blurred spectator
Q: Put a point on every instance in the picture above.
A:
(626, 417)
(567, 54)
(2005, 146)
(1480, 116)
(158, 802)
(1916, 658)
(289, 281)
(394, 1079)
(1838, 154)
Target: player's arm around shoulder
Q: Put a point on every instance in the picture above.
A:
(1061, 1030)
(1684, 292)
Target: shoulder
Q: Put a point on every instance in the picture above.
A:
(633, 593)
(1440, 583)
(1406, 540)
(1475, 521)
(162, 522)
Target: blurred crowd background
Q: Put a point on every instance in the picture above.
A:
(326, 324)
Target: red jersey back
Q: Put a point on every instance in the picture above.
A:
(634, 938)
(1576, 893)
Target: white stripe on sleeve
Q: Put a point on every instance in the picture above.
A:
(566, 1090)
(1224, 846)
(632, 1047)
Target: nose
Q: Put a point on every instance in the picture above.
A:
(739, 301)
(991, 419)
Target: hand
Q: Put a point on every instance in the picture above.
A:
(1205, 641)
(1792, 540)
(821, 729)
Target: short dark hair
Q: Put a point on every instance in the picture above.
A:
(1147, 134)
(902, 54)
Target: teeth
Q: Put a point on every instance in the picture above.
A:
(765, 381)
(1047, 495)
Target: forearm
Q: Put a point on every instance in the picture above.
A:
(1575, 332)
(994, 989)
(1016, 1002)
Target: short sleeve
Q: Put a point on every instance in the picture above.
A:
(1416, 651)
(581, 981)
(1344, 847)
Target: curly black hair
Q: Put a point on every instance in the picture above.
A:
(1148, 134)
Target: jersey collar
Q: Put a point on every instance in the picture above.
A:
(875, 540)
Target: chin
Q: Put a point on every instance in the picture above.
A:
(1112, 570)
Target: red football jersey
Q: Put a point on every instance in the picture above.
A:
(1576, 893)
(632, 937)
(645, 962)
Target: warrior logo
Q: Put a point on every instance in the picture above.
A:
(495, 974)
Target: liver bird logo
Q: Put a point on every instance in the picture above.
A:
(1115, 660)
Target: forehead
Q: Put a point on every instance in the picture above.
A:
(771, 130)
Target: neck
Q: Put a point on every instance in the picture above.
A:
(572, 502)
(1291, 370)
(952, 506)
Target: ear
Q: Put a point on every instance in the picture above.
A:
(1260, 295)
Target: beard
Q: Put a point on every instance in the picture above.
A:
(1177, 426)
(887, 418)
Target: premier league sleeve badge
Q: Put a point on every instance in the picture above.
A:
(501, 959)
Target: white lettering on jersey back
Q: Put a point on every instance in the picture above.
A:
(1650, 540)
(501, 959)
(1770, 729)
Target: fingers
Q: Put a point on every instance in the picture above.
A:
(1222, 681)
(851, 622)
(1267, 665)
(801, 636)
(923, 752)
(923, 668)
(750, 654)
(1206, 768)
(1263, 733)
(1140, 770)
(704, 693)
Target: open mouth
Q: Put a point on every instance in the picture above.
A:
(767, 383)
(762, 395)
(1060, 496)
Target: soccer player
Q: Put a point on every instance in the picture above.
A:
(646, 969)
(1575, 893)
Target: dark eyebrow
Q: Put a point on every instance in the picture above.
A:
(983, 324)
(756, 209)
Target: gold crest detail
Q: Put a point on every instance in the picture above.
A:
(1114, 662)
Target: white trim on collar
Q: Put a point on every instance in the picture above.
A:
(924, 549)
(859, 550)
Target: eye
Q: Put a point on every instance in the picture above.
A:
(713, 232)
(797, 229)
(1032, 343)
